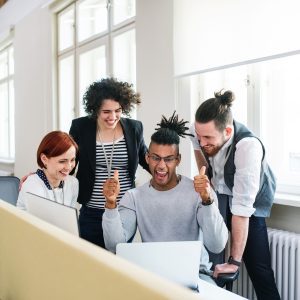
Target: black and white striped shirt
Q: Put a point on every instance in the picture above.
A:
(119, 162)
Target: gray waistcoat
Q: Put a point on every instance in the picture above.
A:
(265, 196)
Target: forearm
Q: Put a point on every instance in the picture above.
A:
(239, 235)
(215, 233)
(112, 229)
(200, 159)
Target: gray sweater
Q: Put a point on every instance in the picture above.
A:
(173, 215)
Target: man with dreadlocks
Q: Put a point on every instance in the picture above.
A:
(169, 207)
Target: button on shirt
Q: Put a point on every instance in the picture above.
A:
(247, 160)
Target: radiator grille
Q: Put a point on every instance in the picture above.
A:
(285, 260)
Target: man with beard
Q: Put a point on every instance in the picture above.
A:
(245, 185)
(170, 207)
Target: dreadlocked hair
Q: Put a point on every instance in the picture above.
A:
(170, 130)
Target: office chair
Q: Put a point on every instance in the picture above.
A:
(227, 279)
(9, 189)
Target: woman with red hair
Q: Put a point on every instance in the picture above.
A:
(56, 159)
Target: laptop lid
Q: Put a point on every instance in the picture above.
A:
(176, 261)
(60, 215)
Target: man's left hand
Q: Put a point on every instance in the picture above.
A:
(224, 268)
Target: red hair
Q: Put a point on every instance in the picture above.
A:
(53, 144)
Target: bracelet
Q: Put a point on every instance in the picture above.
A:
(231, 261)
(208, 202)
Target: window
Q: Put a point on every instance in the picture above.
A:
(7, 130)
(268, 102)
(96, 39)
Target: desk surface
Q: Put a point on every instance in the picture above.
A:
(208, 291)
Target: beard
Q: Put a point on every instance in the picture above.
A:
(211, 150)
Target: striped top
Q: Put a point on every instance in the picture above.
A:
(119, 162)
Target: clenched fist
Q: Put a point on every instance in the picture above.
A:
(111, 190)
(202, 186)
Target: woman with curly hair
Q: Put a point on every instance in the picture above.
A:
(107, 142)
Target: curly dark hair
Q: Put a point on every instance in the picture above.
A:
(217, 109)
(170, 130)
(109, 88)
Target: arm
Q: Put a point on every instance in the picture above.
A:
(118, 225)
(215, 233)
(75, 135)
(143, 150)
(248, 158)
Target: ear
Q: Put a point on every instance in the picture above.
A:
(44, 159)
(147, 158)
(228, 131)
(178, 159)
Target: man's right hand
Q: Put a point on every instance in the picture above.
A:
(202, 185)
(111, 190)
(23, 179)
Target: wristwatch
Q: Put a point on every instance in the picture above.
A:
(209, 201)
(231, 261)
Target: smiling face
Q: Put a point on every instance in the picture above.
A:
(210, 138)
(59, 167)
(109, 114)
(163, 160)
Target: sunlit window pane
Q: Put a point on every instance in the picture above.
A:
(92, 67)
(123, 10)
(66, 92)
(4, 129)
(66, 28)
(3, 64)
(92, 18)
(124, 56)
(280, 117)
(12, 118)
(233, 79)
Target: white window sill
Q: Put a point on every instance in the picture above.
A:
(287, 199)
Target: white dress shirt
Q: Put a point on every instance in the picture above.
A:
(247, 160)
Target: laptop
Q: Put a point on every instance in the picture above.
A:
(57, 214)
(176, 261)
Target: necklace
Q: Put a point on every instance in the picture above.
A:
(108, 162)
(63, 195)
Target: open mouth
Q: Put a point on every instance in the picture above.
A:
(161, 175)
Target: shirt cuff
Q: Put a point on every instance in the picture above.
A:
(242, 211)
(111, 213)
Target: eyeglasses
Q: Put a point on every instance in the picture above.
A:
(168, 159)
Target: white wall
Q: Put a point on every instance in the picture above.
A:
(33, 87)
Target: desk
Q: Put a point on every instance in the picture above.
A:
(208, 291)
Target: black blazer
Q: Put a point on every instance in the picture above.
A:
(84, 131)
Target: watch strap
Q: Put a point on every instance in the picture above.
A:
(231, 261)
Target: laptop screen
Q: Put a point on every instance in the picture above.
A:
(176, 261)
(57, 214)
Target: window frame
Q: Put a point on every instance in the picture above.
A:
(92, 42)
(8, 160)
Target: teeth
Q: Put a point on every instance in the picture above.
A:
(161, 173)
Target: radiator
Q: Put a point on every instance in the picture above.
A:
(285, 260)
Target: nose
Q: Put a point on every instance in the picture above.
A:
(161, 163)
(69, 165)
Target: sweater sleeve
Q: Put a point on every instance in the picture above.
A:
(119, 224)
(215, 233)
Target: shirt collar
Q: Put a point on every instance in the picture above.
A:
(43, 176)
